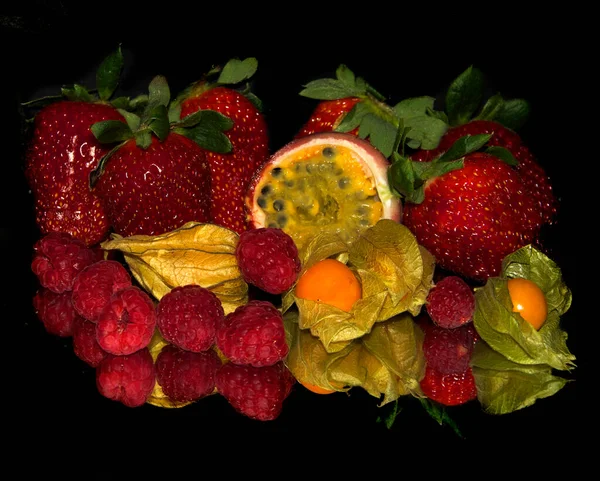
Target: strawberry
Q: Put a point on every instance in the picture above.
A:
(500, 118)
(231, 171)
(469, 209)
(349, 104)
(157, 178)
(328, 115)
(62, 152)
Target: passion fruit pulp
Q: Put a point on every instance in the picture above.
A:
(331, 182)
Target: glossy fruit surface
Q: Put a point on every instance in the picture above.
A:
(528, 300)
(331, 282)
(329, 182)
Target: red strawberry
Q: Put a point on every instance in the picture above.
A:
(534, 177)
(60, 157)
(158, 178)
(500, 119)
(349, 104)
(230, 171)
(449, 389)
(327, 116)
(61, 154)
(471, 217)
(156, 189)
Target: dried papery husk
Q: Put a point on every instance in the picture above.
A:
(196, 253)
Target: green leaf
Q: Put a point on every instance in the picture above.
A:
(133, 120)
(236, 71)
(108, 74)
(402, 175)
(207, 130)
(121, 103)
(110, 131)
(353, 118)
(77, 93)
(143, 139)
(503, 154)
(381, 133)
(426, 130)
(439, 413)
(158, 92)
(388, 414)
(464, 96)
(414, 107)
(465, 145)
(346, 76)
(491, 108)
(330, 89)
(158, 122)
(513, 114)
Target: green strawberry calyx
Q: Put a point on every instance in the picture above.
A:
(108, 77)
(234, 74)
(408, 178)
(159, 118)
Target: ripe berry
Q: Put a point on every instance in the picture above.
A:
(94, 286)
(450, 302)
(253, 334)
(58, 258)
(256, 392)
(449, 389)
(55, 311)
(448, 350)
(127, 379)
(85, 344)
(186, 376)
(268, 259)
(127, 322)
(187, 317)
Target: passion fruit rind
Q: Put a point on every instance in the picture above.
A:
(333, 182)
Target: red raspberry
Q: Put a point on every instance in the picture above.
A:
(85, 344)
(186, 376)
(56, 311)
(58, 258)
(448, 350)
(268, 259)
(256, 392)
(95, 284)
(451, 302)
(127, 322)
(187, 317)
(128, 379)
(449, 389)
(253, 334)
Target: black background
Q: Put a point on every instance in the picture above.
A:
(51, 395)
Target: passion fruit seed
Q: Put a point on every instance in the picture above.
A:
(323, 186)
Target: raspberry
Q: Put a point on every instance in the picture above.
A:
(55, 311)
(450, 302)
(449, 389)
(268, 259)
(95, 284)
(85, 345)
(256, 392)
(187, 317)
(186, 376)
(253, 334)
(58, 258)
(127, 322)
(128, 379)
(448, 350)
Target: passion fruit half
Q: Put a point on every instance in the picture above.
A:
(331, 181)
